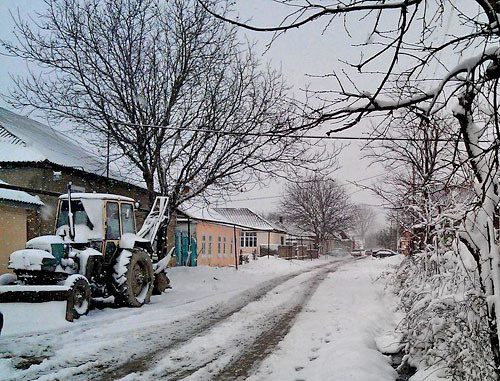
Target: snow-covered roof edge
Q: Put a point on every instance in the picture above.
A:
(18, 196)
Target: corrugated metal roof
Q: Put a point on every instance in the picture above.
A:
(25, 140)
(241, 217)
(7, 137)
(246, 217)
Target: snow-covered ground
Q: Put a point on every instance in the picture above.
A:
(214, 319)
(336, 336)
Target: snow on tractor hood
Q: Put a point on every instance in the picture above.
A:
(30, 259)
(44, 242)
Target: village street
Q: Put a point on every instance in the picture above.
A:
(274, 319)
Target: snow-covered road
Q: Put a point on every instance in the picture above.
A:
(271, 320)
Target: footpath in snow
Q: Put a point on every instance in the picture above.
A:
(332, 337)
(336, 335)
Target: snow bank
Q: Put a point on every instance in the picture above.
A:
(27, 318)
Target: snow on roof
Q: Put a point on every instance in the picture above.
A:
(205, 214)
(246, 217)
(26, 140)
(96, 196)
(18, 196)
(241, 217)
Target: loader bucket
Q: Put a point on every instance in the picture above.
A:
(36, 294)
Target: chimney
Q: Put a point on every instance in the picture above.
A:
(281, 219)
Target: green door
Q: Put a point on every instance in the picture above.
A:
(183, 256)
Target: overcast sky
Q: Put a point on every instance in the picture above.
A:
(297, 53)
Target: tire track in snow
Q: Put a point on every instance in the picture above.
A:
(179, 334)
(241, 366)
(230, 349)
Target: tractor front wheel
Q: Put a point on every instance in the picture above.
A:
(79, 297)
(133, 278)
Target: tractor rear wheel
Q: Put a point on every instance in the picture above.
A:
(79, 297)
(133, 278)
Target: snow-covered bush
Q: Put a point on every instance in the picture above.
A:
(445, 322)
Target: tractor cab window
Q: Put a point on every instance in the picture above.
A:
(112, 221)
(128, 223)
(80, 216)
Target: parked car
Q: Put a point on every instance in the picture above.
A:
(382, 253)
(357, 253)
(369, 252)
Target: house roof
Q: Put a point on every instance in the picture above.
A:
(25, 140)
(241, 217)
(205, 214)
(18, 196)
(246, 217)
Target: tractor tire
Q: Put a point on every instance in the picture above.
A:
(79, 297)
(133, 278)
(161, 283)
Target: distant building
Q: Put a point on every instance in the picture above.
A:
(340, 243)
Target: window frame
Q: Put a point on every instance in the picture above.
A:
(248, 239)
(204, 245)
(107, 219)
(127, 204)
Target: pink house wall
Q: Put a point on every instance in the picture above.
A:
(216, 258)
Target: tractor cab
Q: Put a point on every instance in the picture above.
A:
(101, 221)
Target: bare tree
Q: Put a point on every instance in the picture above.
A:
(165, 87)
(407, 40)
(363, 219)
(418, 155)
(317, 205)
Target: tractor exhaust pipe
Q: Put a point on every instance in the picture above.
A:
(71, 220)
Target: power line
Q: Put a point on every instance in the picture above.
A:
(279, 135)
(270, 197)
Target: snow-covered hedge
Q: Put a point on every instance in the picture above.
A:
(445, 324)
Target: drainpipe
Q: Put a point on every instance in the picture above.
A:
(268, 242)
(235, 248)
(189, 243)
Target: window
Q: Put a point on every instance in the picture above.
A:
(231, 251)
(219, 251)
(128, 224)
(112, 221)
(203, 246)
(282, 240)
(79, 214)
(209, 245)
(225, 240)
(248, 239)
